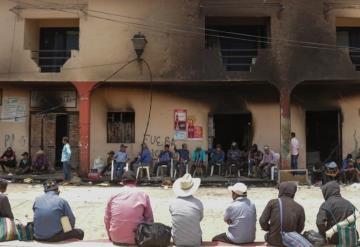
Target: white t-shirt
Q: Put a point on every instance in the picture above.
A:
(294, 146)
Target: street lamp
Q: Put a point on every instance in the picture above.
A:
(139, 42)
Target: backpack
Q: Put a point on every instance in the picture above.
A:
(152, 235)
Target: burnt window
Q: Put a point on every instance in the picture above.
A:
(237, 39)
(350, 37)
(55, 45)
(121, 127)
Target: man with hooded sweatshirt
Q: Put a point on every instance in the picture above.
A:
(294, 215)
(335, 206)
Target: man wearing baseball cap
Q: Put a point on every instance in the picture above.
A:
(240, 216)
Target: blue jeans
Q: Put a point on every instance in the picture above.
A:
(67, 170)
(119, 170)
(294, 162)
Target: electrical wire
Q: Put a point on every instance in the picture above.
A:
(210, 29)
(304, 44)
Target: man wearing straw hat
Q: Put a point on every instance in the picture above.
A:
(240, 216)
(186, 212)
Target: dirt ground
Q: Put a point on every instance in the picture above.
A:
(88, 204)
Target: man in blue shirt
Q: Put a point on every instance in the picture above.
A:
(121, 157)
(48, 211)
(184, 158)
(217, 156)
(143, 159)
(165, 157)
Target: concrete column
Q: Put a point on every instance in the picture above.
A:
(84, 91)
(285, 128)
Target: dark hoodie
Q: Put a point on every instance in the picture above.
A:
(293, 215)
(340, 208)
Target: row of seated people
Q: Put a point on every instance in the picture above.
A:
(253, 163)
(130, 207)
(347, 173)
(26, 164)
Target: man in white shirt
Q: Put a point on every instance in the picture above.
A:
(241, 218)
(294, 151)
(186, 212)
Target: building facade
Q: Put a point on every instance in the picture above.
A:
(219, 71)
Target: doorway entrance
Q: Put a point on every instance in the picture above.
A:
(323, 134)
(61, 130)
(230, 128)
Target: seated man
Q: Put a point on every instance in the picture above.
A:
(198, 160)
(186, 212)
(317, 173)
(109, 161)
(348, 171)
(184, 158)
(241, 218)
(269, 160)
(233, 157)
(294, 219)
(143, 159)
(40, 163)
(48, 211)
(331, 172)
(334, 210)
(357, 166)
(254, 158)
(8, 159)
(120, 157)
(217, 156)
(165, 157)
(5, 208)
(24, 164)
(126, 210)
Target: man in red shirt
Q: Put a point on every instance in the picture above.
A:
(126, 210)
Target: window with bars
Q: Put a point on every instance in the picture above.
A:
(120, 127)
(237, 39)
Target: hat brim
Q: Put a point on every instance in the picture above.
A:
(185, 193)
(231, 189)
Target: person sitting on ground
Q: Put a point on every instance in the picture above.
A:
(40, 163)
(186, 212)
(126, 210)
(240, 216)
(165, 157)
(357, 166)
(233, 157)
(120, 158)
(331, 172)
(269, 160)
(49, 209)
(109, 161)
(255, 157)
(24, 164)
(5, 208)
(184, 158)
(293, 215)
(334, 210)
(198, 160)
(217, 156)
(8, 159)
(143, 159)
(348, 171)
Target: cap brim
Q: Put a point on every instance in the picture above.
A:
(185, 193)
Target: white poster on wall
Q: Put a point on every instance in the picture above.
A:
(13, 109)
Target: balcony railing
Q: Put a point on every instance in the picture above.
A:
(238, 59)
(51, 60)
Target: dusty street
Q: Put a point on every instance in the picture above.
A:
(88, 204)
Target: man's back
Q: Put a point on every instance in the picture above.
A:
(242, 214)
(124, 212)
(5, 208)
(186, 213)
(48, 210)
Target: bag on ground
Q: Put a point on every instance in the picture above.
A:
(7, 230)
(347, 236)
(315, 238)
(153, 235)
(24, 232)
(291, 239)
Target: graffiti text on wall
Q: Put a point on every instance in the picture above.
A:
(10, 140)
(156, 143)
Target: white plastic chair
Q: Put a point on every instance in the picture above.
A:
(141, 169)
(212, 169)
(230, 169)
